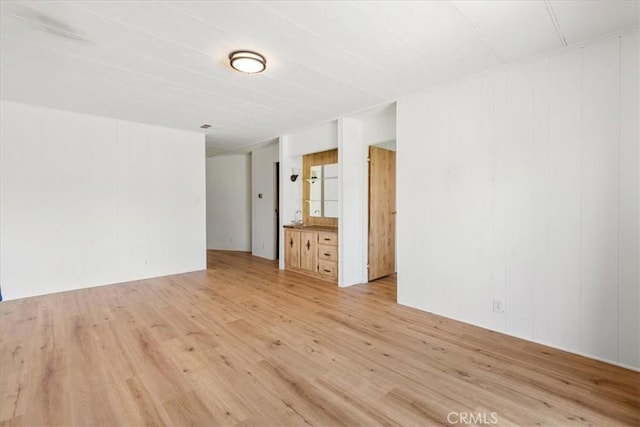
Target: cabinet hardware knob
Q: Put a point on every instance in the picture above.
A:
(327, 254)
(308, 244)
(291, 242)
(327, 271)
(327, 238)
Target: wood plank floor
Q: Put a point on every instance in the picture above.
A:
(246, 344)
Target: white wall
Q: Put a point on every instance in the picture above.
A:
(313, 140)
(352, 162)
(229, 202)
(378, 124)
(522, 185)
(87, 200)
(263, 181)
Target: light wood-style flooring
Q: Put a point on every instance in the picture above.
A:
(246, 344)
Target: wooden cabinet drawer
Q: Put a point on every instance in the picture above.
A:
(328, 253)
(328, 238)
(328, 269)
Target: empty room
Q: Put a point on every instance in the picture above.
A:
(320, 213)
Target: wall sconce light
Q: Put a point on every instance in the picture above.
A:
(294, 174)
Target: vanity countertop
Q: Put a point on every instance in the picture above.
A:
(311, 227)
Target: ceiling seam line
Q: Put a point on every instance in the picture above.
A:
(554, 20)
(480, 36)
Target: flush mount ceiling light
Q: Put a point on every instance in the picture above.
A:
(247, 62)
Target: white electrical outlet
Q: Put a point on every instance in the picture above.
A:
(498, 306)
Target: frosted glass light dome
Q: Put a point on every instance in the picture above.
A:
(247, 62)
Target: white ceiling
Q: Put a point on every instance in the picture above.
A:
(165, 62)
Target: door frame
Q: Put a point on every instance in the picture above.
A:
(276, 207)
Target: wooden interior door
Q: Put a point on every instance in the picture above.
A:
(382, 212)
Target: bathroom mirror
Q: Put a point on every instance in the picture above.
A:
(323, 191)
(320, 188)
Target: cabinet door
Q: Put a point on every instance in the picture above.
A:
(291, 249)
(309, 251)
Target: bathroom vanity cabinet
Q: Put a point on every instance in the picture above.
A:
(312, 251)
